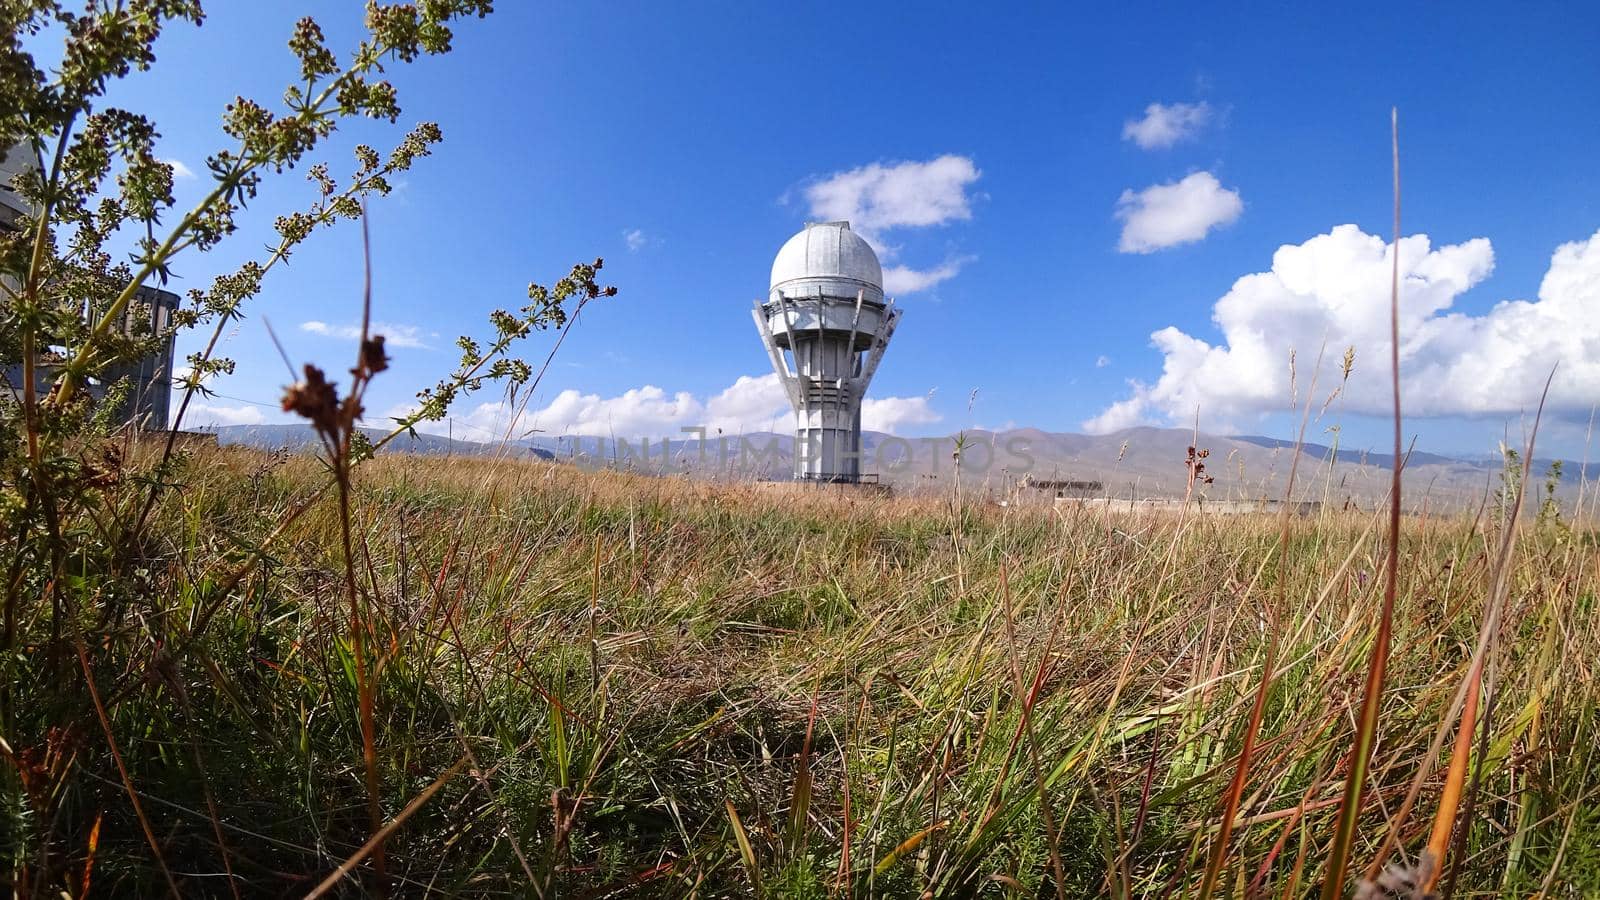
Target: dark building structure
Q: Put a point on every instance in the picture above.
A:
(149, 379)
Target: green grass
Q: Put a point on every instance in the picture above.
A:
(1115, 670)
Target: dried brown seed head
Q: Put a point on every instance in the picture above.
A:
(314, 398)
(373, 360)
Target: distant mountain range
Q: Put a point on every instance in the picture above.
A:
(1135, 463)
(303, 438)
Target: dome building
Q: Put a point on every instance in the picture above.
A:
(825, 325)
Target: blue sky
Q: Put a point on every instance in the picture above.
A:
(708, 132)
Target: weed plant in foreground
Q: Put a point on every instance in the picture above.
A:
(610, 685)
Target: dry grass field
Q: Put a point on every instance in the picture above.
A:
(586, 684)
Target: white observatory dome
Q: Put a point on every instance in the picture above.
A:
(827, 259)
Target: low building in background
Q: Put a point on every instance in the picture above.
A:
(13, 162)
(1060, 489)
(147, 400)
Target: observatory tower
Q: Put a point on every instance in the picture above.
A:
(825, 325)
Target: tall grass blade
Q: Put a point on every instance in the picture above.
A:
(122, 769)
(1372, 694)
(1444, 820)
(747, 852)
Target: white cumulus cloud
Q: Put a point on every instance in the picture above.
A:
(179, 170)
(881, 197)
(1335, 288)
(877, 197)
(891, 414)
(644, 411)
(1165, 124)
(394, 333)
(906, 280)
(635, 239)
(206, 414)
(1121, 414)
(1178, 212)
(753, 403)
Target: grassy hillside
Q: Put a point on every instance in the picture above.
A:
(1134, 463)
(609, 685)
